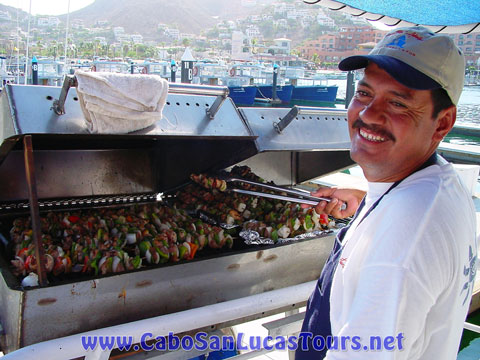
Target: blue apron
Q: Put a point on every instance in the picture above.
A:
(317, 316)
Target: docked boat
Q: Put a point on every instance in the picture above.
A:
(314, 95)
(5, 76)
(50, 71)
(110, 66)
(152, 67)
(282, 93)
(239, 79)
(309, 90)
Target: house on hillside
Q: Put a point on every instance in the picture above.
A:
(5, 15)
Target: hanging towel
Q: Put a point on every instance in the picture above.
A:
(120, 103)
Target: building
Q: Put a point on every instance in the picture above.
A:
(189, 36)
(470, 46)
(333, 47)
(281, 23)
(137, 38)
(292, 14)
(324, 20)
(322, 45)
(351, 36)
(249, 3)
(101, 23)
(240, 46)
(101, 40)
(173, 34)
(252, 31)
(5, 15)
(48, 21)
(78, 24)
(281, 47)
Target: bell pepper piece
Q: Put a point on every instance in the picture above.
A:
(274, 235)
(137, 262)
(73, 218)
(193, 250)
(94, 266)
(85, 264)
(182, 249)
(144, 246)
(324, 219)
(308, 222)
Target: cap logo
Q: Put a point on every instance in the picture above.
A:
(399, 42)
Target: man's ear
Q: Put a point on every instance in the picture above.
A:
(445, 121)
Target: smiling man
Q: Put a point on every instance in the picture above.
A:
(398, 282)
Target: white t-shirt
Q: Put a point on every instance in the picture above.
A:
(408, 269)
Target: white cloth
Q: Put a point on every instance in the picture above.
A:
(408, 268)
(120, 103)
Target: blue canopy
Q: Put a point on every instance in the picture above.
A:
(446, 16)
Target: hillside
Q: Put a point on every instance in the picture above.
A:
(143, 16)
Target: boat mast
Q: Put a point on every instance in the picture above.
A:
(66, 38)
(18, 47)
(28, 42)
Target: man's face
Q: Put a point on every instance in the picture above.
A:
(391, 126)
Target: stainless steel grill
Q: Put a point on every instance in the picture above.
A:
(49, 161)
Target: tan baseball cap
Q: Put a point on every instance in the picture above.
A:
(417, 58)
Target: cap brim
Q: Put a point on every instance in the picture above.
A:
(400, 71)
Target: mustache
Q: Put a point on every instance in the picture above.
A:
(373, 128)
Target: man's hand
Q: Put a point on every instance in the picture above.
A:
(352, 197)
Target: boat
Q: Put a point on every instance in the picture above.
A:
(152, 67)
(5, 76)
(314, 95)
(103, 65)
(283, 93)
(310, 90)
(50, 71)
(239, 79)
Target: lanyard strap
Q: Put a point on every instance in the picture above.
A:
(430, 161)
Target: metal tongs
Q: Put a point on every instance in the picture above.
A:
(298, 196)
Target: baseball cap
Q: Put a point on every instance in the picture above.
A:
(418, 59)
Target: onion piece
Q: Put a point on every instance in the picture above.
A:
(131, 238)
(30, 280)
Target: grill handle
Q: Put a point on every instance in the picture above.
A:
(302, 110)
(59, 105)
(221, 92)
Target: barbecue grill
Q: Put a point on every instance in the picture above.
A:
(48, 161)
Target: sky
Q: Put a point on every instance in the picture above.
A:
(47, 7)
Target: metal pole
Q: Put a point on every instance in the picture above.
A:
(173, 70)
(274, 84)
(28, 43)
(18, 51)
(34, 71)
(34, 209)
(66, 38)
(350, 88)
